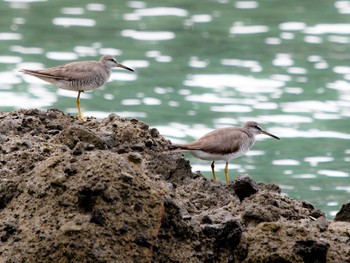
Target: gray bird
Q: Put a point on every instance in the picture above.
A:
(223, 144)
(79, 76)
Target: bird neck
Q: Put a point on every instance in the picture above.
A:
(249, 133)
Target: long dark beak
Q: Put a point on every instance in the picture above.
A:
(269, 134)
(124, 67)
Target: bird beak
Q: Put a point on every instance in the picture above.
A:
(124, 67)
(269, 134)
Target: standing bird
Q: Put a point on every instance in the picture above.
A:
(79, 76)
(224, 144)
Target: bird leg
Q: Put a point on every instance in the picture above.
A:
(213, 171)
(226, 172)
(80, 116)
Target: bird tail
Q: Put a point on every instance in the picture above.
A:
(178, 148)
(39, 74)
(174, 146)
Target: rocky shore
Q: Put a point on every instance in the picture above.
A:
(111, 191)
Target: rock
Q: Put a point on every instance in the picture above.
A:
(72, 135)
(110, 190)
(344, 213)
(311, 251)
(244, 186)
(316, 213)
(271, 187)
(229, 235)
(135, 158)
(322, 223)
(255, 214)
(8, 191)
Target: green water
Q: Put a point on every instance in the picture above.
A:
(200, 66)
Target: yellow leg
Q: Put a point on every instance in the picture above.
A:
(226, 172)
(213, 171)
(80, 116)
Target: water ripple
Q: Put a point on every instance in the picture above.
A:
(67, 22)
(25, 1)
(10, 36)
(239, 28)
(328, 29)
(231, 108)
(315, 160)
(148, 35)
(292, 26)
(27, 50)
(304, 176)
(42, 98)
(310, 106)
(72, 11)
(332, 173)
(62, 55)
(136, 63)
(10, 59)
(312, 133)
(288, 162)
(9, 78)
(96, 7)
(339, 39)
(241, 83)
(342, 6)
(162, 11)
(201, 18)
(122, 76)
(197, 63)
(285, 119)
(246, 4)
(283, 60)
(253, 65)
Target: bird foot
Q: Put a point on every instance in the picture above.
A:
(80, 117)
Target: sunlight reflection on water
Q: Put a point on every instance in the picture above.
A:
(239, 82)
(42, 98)
(67, 22)
(239, 28)
(148, 35)
(10, 59)
(10, 36)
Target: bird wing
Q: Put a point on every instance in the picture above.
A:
(42, 74)
(71, 71)
(221, 141)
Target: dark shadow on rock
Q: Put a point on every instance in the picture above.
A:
(311, 251)
(243, 186)
(344, 213)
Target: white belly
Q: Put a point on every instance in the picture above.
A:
(68, 86)
(217, 157)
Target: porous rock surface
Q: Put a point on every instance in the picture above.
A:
(110, 190)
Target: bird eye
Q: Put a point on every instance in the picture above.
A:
(112, 59)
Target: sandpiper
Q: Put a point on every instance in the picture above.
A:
(79, 76)
(224, 144)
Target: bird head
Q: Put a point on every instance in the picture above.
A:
(255, 128)
(111, 62)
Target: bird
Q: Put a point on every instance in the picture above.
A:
(223, 144)
(79, 76)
